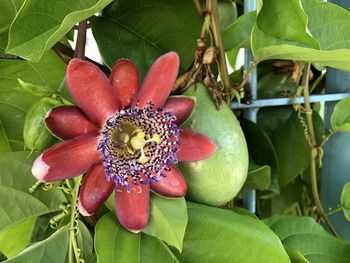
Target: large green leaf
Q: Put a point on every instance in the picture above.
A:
(219, 235)
(9, 9)
(4, 143)
(238, 34)
(292, 29)
(345, 200)
(261, 150)
(14, 102)
(15, 173)
(340, 118)
(26, 207)
(52, 249)
(292, 150)
(303, 234)
(40, 24)
(168, 220)
(259, 176)
(14, 239)
(142, 30)
(271, 39)
(114, 244)
(85, 242)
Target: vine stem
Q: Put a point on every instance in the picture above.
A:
(212, 10)
(73, 250)
(247, 75)
(314, 153)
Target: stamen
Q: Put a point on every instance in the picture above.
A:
(138, 142)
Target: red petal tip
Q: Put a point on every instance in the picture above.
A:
(40, 168)
(132, 208)
(159, 80)
(82, 209)
(194, 147)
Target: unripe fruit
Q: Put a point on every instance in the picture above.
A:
(218, 179)
(35, 134)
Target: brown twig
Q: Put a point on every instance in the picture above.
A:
(79, 51)
(66, 54)
(212, 10)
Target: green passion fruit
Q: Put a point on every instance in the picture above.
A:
(35, 134)
(216, 180)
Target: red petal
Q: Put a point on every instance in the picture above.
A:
(159, 80)
(132, 208)
(173, 185)
(180, 107)
(95, 190)
(91, 90)
(68, 121)
(125, 81)
(67, 159)
(194, 147)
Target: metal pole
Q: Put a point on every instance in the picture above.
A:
(249, 199)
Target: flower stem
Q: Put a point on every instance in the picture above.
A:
(314, 153)
(212, 10)
(73, 250)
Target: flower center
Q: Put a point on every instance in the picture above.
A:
(138, 142)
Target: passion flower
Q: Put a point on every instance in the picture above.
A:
(125, 139)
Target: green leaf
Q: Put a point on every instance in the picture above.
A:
(334, 45)
(271, 119)
(16, 238)
(261, 150)
(14, 102)
(85, 242)
(340, 118)
(292, 150)
(8, 13)
(15, 173)
(345, 200)
(303, 234)
(26, 207)
(259, 176)
(142, 30)
(238, 34)
(296, 256)
(115, 244)
(168, 220)
(4, 143)
(219, 235)
(40, 24)
(52, 249)
(291, 29)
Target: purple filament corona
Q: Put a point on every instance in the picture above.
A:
(123, 166)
